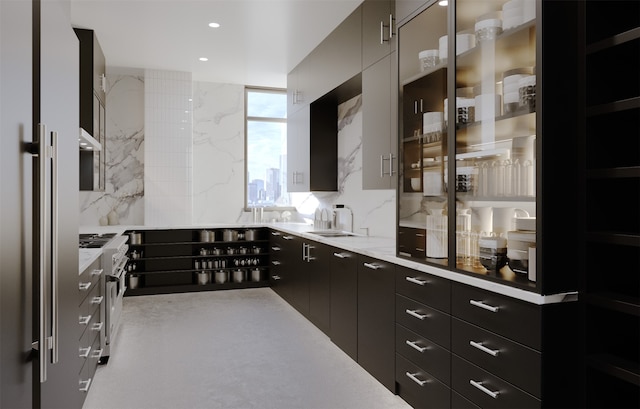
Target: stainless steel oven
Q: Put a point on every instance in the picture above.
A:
(114, 262)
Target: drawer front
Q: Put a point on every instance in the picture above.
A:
(497, 355)
(85, 344)
(412, 242)
(425, 321)
(460, 402)
(424, 288)
(89, 278)
(424, 353)
(511, 318)
(487, 390)
(419, 388)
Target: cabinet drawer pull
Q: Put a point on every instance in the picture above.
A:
(275, 248)
(97, 354)
(85, 320)
(415, 379)
(276, 277)
(97, 272)
(483, 305)
(84, 352)
(479, 385)
(287, 237)
(275, 233)
(415, 280)
(84, 286)
(419, 249)
(419, 235)
(341, 255)
(97, 300)
(414, 313)
(97, 326)
(372, 266)
(84, 385)
(415, 346)
(275, 262)
(492, 352)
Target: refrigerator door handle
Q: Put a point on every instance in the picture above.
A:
(47, 249)
(43, 342)
(54, 248)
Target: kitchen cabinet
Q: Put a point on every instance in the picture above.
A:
(279, 270)
(376, 341)
(317, 257)
(185, 260)
(378, 30)
(493, 337)
(92, 99)
(290, 278)
(411, 242)
(379, 124)
(611, 107)
(423, 338)
(343, 266)
(298, 150)
(474, 154)
(91, 322)
(405, 8)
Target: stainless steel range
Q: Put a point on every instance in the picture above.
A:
(114, 262)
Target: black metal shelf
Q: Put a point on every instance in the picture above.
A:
(617, 367)
(615, 302)
(186, 288)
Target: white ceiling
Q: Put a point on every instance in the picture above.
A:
(258, 43)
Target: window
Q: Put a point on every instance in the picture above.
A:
(266, 148)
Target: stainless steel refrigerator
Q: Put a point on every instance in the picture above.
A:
(38, 205)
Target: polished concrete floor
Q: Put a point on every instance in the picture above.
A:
(228, 349)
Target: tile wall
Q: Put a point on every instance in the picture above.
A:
(168, 148)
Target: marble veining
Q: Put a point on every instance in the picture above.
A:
(122, 200)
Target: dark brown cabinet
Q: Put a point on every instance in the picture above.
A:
(343, 266)
(92, 100)
(611, 216)
(185, 260)
(317, 259)
(376, 321)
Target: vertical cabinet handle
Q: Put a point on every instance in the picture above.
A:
(84, 385)
(479, 385)
(391, 157)
(484, 306)
(54, 249)
(391, 26)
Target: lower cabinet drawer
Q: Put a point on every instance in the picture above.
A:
(515, 319)
(419, 388)
(497, 355)
(424, 288)
(425, 321)
(487, 390)
(424, 353)
(460, 402)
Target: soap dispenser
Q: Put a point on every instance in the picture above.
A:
(343, 218)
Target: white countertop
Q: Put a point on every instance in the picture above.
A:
(87, 256)
(382, 248)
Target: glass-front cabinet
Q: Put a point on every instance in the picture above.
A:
(470, 76)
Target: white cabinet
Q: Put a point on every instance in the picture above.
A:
(298, 147)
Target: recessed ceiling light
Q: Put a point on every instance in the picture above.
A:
(203, 59)
(443, 2)
(214, 25)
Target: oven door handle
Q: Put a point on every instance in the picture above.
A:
(119, 272)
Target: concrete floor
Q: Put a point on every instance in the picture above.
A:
(228, 349)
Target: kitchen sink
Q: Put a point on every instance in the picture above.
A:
(333, 233)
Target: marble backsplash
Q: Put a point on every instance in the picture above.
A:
(122, 200)
(218, 164)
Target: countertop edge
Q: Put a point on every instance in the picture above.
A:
(382, 248)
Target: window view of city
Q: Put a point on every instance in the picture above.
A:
(266, 141)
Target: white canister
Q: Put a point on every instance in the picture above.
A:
(481, 219)
(504, 219)
(428, 59)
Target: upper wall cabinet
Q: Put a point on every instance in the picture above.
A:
(487, 132)
(404, 8)
(92, 109)
(378, 30)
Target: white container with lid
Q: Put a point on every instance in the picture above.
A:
(428, 59)
(488, 29)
